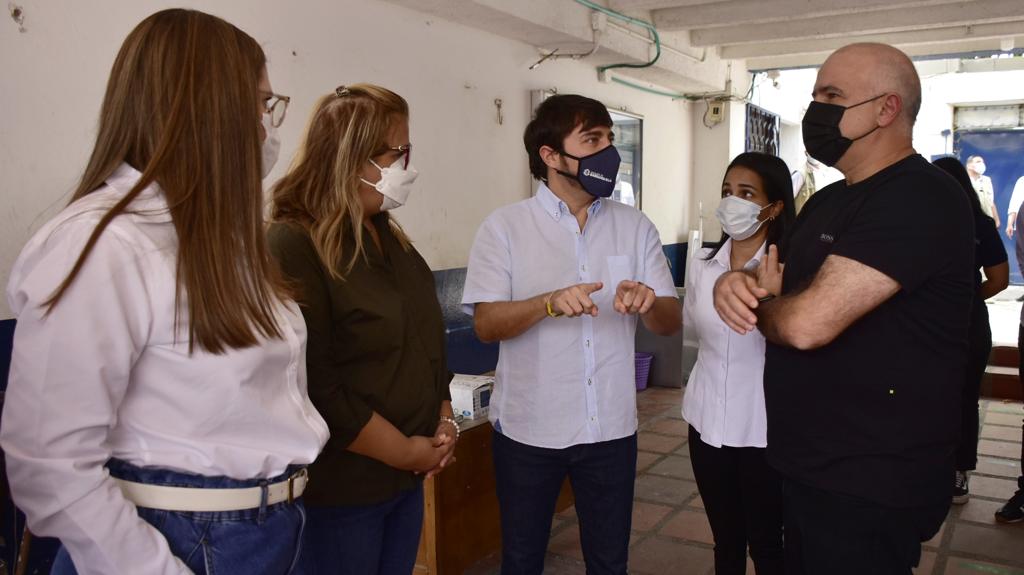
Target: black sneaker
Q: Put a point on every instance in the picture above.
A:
(1013, 511)
(960, 492)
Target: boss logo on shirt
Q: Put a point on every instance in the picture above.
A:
(827, 238)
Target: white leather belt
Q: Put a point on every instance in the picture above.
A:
(200, 499)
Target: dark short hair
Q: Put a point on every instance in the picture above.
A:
(778, 185)
(554, 120)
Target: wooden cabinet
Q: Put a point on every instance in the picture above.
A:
(461, 521)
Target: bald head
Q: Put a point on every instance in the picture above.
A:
(882, 69)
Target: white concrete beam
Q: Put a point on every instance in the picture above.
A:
(931, 36)
(620, 5)
(872, 21)
(951, 49)
(567, 24)
(736, 12)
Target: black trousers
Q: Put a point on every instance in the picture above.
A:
(1020, 373)
(832, 534)
(743, 498)
(980, 347)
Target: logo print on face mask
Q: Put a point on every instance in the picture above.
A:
(594, 174)
(592, 169)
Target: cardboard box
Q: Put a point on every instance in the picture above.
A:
(471, 395)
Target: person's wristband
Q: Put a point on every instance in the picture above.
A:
(455, 424)
(547, 305)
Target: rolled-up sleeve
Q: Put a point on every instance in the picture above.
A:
(489, 273)
(345, 411)
(70, 371)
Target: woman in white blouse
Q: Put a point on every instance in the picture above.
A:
(157, 420)
(724, 400)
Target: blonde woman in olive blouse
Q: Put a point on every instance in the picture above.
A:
(376, 353)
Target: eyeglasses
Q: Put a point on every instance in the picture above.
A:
(277, 106)
(404, 152)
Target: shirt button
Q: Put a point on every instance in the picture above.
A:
(590, 382)
(588, 343)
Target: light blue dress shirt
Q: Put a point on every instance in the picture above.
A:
(565, 381)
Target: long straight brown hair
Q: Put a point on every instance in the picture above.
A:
(320, 192)
(182, 107)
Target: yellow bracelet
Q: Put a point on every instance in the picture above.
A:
(551, 311)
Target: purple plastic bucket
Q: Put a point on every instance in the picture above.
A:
(643, 369)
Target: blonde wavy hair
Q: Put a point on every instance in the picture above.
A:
(320, 192)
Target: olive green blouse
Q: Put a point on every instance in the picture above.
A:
(376, 343)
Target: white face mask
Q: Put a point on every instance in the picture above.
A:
(271, 146)
(395, 184)
(739, 217)
(979, 168)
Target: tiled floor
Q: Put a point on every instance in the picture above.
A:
(671, 532)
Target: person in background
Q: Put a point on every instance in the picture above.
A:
(156, 419)
(990, 257)
(1013, 510)
(376, 356)
(724, 400)
(982, 186)
(807, 183)
(561, 280)
(1016, 199)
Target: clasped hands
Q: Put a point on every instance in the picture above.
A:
(737, 293)
(435, 453)
(631, 297)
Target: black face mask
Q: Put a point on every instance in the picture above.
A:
(822, 138)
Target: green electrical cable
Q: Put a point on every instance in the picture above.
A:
(657, 45)
(673, 95)
(646, 25)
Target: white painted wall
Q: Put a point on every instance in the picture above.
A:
(942, 92)
(713, 148)
(54, 75)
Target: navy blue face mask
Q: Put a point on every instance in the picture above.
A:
(596, 172)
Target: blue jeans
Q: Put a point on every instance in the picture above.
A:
(378, 539)
(528, 482)
(262, 540)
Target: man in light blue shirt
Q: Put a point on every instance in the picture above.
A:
(560, 280)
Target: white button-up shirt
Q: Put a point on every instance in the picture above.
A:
(565, 381)
(106, 375)
(724, 398)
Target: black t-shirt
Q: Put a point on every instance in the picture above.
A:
(988, 246)
(876, 413)
(988, 251)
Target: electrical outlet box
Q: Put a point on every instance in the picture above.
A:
(716, 111)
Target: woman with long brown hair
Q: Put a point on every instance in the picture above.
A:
(157, 419)
(376, 356)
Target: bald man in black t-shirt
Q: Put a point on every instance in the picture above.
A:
(867, 326)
